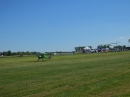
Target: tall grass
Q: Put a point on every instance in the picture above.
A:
(83, 75)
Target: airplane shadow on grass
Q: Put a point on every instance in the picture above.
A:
(39, 61)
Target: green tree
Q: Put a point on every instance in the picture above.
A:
(34, 53)
(79, 48)
(128, 40)
(27, 53)
(76, 49)
(9, 53)
(124, 47)
(14, 53)
(90, 47)
(1, 53)
(19, 53)
(120, 47)
(108, 46)
(98, 46)
(4, 53)
(104, 46)
(23, 53)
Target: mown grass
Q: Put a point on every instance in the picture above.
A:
(83, 75)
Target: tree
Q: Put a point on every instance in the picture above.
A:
(14, 53)
(108, 46)
(100, 46)
(34, 53)
(1, 53)
(9, 53)
(90, 47)
(124, 47)
(79, 48)
(19, 53)
(120, 47)
(128, 40)
(5, 53)
(27, 53)
(76, 49)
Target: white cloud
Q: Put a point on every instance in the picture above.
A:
(121, 37)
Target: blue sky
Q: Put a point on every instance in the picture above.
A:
(61, 25)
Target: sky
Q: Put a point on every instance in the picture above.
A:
(62, 25)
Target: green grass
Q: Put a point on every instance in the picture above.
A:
(83, 75)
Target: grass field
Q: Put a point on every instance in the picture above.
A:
(83, 75)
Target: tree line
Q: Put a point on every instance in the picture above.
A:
(108, 46)
(19, 53)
